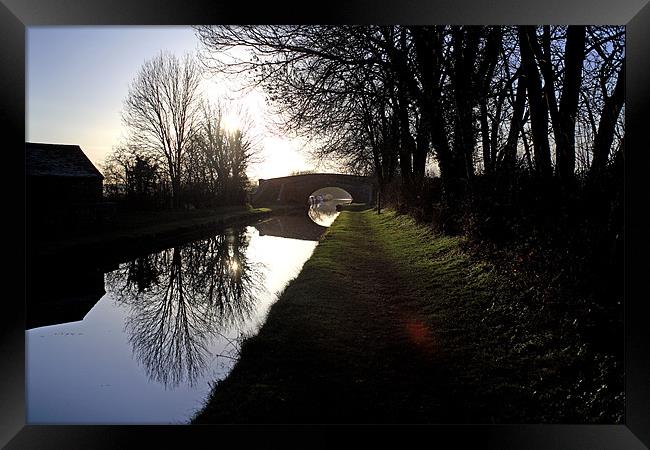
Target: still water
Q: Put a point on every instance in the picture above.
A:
(143, 342)
(324, 213)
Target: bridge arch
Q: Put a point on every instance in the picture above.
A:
(296, 189)
(332, 193)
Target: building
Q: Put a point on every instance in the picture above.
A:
(63, 188)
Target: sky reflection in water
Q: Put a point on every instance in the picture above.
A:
(169, 324)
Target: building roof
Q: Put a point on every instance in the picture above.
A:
(58, 160)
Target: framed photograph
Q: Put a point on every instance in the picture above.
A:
(501, 129)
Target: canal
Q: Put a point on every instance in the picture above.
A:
(143, 341)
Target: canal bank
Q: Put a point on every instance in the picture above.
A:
(148, 232)
(389, 322)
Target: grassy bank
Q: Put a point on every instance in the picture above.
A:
(388, 322)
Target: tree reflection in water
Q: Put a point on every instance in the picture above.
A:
(183, 298)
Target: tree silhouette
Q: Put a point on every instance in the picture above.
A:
(161, 111)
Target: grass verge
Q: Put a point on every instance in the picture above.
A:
(389, 322)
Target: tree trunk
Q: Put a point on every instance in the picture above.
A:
(516, 123)
(537, 104)
(496, 122)
(421, 147)
(484, 79)
(543, 55)
(485, 138)
(605, 136)
(406, 144)
(428, 52)
(565, 135)
(465, 41)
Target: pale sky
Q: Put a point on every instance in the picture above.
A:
(78, 77)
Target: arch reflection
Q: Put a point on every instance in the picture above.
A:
(323, 203)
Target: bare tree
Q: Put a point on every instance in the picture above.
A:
(160, 111)
(218, 157)
(563, 116)
(566, 127)
(326, 83)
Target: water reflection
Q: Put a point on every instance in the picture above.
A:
(324, 213)
(293, 226)
(183, 297)
(150, 348)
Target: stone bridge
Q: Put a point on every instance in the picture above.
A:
(297, 188)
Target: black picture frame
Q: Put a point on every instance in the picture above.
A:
(16, 15)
